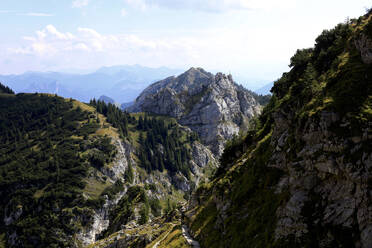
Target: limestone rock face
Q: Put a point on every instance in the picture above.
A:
(364, 45)
(212, 105)
(98, 220)
(327, 183)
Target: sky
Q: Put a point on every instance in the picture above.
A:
(253, 39)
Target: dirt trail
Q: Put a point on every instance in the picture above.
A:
(164, 237)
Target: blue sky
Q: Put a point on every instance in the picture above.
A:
(250, 38)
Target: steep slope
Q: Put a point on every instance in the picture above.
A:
(161, 232)
(168, 162)
(71, 173)
(303, 178)
(52, 151)
(211, 105)
(152, 175)
(5, 89)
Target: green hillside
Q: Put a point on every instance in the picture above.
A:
(46, 153)
(54, 158)
(5, 89)
(161, 143)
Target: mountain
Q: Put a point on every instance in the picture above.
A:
(106, 99)
(122, 83)
(5, 89)
(264, 90)
(212, 105)
(73, 173)
(294, 173)
(125, 105)
(303, 177)
(52, 151)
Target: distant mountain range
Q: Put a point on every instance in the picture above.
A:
(264, 90)
(121, 83)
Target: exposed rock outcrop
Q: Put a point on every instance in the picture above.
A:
(324, 179)
(212, 105)
(364, 45)
(98, 220)
(120, 164)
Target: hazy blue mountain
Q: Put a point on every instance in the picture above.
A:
(106, 99)
(122, 83)
(125, 105)
(264, 90)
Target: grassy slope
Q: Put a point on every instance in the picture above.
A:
(164, 231)
(44, 166)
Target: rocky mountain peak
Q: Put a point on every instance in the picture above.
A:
(196, 73)
(212, 105)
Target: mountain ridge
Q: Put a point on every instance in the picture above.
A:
(123, 83)
(214, 106)
(302, 178)
(116, 169)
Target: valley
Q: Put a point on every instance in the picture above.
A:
(197, 160)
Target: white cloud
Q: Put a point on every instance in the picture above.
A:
(80, 3)
(88, 32)
(211, 5)
(54, 32)
(51, 42)
(88, 48)
(123, 12)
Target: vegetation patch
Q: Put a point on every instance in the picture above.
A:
(44, 168)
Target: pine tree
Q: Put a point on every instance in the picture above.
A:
(129, 176)
(141, 140)
(140, 123)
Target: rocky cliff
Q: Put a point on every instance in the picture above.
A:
(131, 196)
(212, 105)
(303, 178)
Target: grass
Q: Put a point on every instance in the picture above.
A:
(169, 233)
(247, 188)
(174, 239)
(105, 127)
(367, 109)
(208, 170)
(7, 95)
(77, 137)
(133, 135)
(203, 225)
(109, 131)
(2, 240)
(77, 104)
(94, 187)
(39, 193)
